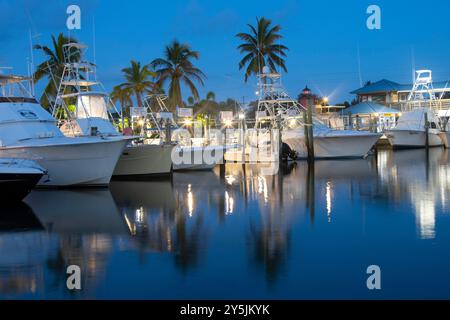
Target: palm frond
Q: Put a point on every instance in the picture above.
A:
(261, 48)
(176, 66)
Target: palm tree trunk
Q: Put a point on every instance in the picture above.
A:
(139, 99)
(175, 94)
(122, 118)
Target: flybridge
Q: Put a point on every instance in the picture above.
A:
(14, 88)
(93, 108)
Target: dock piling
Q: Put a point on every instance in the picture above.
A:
(309, 138)
(279, 140)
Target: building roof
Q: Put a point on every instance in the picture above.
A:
(368, 108)
(380, 86)
(389, 86)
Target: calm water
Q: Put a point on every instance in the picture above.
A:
(304, 233)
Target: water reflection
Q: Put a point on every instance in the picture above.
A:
(420, 178)
(238, 223)
(269, 227)
(80, 226)
(22, 251)
(163, 217)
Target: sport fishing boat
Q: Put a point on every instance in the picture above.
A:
(419, 123)
(411, 131)
(92, 114)
(274, 102)
(28, 131)
(17, 178)
(191, 153)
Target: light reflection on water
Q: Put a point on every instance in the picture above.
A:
(308, 232)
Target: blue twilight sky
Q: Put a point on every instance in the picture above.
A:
(323, 38)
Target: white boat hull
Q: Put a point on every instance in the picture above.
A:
(145, 160)
(332, 146)
(260, 147)
(73, 164)
(403, 139)
(197, 158)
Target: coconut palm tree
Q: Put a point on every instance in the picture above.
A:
(53, 67)
(207, 106)
(138, 81)
(176, 68)
(121, 95)
(260, 48)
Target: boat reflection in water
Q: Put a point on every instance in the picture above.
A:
(240, 232)
(79, 229)
(269, 226)
(424, 182)
(286, 198)
(163, 216)
(22, 252)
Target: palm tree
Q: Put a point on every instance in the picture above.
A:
(176, 67)
(261, 48)
(207, 106)
(123, 96)
(138, 82)
(53, 67)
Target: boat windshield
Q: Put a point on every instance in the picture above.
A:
(16, 89)
(92, 106)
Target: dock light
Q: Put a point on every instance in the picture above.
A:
(325, 99)
(141, 122)
(227, 123)
(241, 116)
(188, 122)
